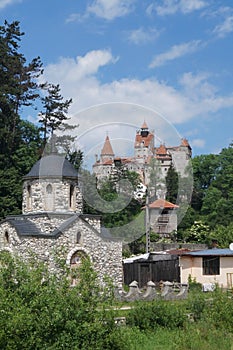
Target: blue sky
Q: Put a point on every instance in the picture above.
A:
(173, 57)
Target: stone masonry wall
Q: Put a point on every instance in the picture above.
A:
(105, 255)
(57, 201)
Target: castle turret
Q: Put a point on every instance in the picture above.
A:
(144, 142)
(52, 186)
(107, 151)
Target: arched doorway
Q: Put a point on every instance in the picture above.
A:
(75, 262)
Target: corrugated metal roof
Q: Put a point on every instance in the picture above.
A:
(208, 252)
(53, 165)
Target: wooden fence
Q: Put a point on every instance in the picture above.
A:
(165, 269)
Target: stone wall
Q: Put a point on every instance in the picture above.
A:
(37, 198)
(105, 255)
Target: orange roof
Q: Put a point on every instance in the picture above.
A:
(161, 150)
(107, 148)
(107, 162)
(184, 142)
(146, 139)
(162, 203)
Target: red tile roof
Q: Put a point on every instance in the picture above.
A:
(162, 203)
(107, 148)
(145, 139)
(161, 150)
(184, 142)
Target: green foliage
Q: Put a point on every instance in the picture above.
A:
(150, 316)
(198, 233)
(223, 235)
(42, 311)
(54, 111)
(212, 199)
(172, 184)
(116, 206)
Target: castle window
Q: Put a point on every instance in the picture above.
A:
(6, 237)
(49, 189)
(72, 195)
(49, 197)
(29, 197)
(78, 237)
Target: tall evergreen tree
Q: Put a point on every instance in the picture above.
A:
(19, 140)
(54, 113)
(172, 179)
(18, 85)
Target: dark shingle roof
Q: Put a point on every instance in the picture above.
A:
(52, 165)
(23, 226)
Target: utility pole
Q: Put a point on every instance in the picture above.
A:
(147, 223)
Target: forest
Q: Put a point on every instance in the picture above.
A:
(209, 215)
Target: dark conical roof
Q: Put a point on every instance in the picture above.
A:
(53, 165)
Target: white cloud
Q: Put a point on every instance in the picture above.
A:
(200, 143)
(73, 70)
(4, 3)
(224, 28)
(74, 17)
(169, 7)
(78, 79)
(175, 51)
(198, 85)
(110, 9)
(142, 35)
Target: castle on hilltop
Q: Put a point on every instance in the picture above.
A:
(145, 153)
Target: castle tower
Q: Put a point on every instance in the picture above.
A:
(144, 143)
(107, 153)
(52, 186)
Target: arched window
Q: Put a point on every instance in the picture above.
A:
(72, 197)
(6, 237)
(49, 189)
(29, 197)
(49, 198)
(78, 237)
(75, 262)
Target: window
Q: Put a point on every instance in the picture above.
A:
(211, 265)
(6, 237)
(29, 197)
(49, 189)
(49, 198)
(72, 194)
(78, 237)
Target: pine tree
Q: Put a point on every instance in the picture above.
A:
(54, 112)
(19, 140)
(172, 184)
(18, 85)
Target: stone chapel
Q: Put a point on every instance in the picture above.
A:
(52, 223)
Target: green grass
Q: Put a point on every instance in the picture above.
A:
(160, 325)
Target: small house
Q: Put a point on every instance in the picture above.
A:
(208, 267)
(163, 217)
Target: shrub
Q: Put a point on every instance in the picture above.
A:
(149, 316)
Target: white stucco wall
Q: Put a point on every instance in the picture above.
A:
(193, 266)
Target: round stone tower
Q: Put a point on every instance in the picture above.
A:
(52, 186)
